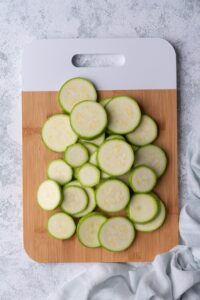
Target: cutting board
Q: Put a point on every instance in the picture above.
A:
(146, 70)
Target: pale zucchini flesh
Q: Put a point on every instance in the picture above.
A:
(145, 133)
(123, 113)
(143, 208)
(142, 179)
(88, 119)
(155, 223)
(98, 141)
(74, 91)
(61, 226)
(88, 229)
(49, 195)
(91, 199)
(75, 199)
(59, 171)
(153, 157)
(76, 155)
(89, 175)
(91, 203)
(90, 147)
(57, 133)
(117, 234)
(112, 195)
(115, 157)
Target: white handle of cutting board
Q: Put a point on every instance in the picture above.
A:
(150, 63)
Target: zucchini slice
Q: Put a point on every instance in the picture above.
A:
(89, 175)
(91, 199)
(142, 179)
(90, 147)
(57, 133)
(49, 195)
(74, 91)
(88, 119)
(112, 195)
(88, 228)
(74, 183)
(76, 155)
(155, 223)
(123, 113)
(105, 175)
(153, 157)
(115, 137)
(91, 203)
(143, 208)
(117, 234)
(59, 171)
(98, 141)
(61, 226)
(76, 171)
(105, 101)
(115, 157)
(93, 158)
(145, 133)
(75, 199)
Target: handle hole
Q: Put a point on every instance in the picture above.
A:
(98, 60)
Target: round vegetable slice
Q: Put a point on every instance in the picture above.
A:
(155, 223)
(116, 234)
(90, 147)
(115, 157)
(73, 183)
(59, 171)
(76, 155)
(98, 141)
(123, 113)
(153, 157)
(89, 175)
(91, 203)
(143, 208)
(49, 195)
(112, 195)
(76, 171)
(115, 137)
(75, 199)
(105, 101)
(145, 133)
(74, 91)
(61, 226)
(93, 158)
(105, 175)
(57, 133)
(88, 228)
(88, 119)
(142, 179)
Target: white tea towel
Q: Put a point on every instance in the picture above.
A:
(173, 275)
(189, 224)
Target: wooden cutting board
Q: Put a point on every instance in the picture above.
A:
(38, 103)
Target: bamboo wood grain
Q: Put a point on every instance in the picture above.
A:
(36, 107)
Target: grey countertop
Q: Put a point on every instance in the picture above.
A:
(21, 21)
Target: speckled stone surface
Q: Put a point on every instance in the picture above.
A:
(21, 21)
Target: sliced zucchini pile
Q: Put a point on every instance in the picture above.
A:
(112, 195)
(109, 165)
